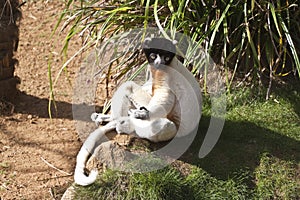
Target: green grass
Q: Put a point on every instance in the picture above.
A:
(257, 157)
(161, 184)
(276, 178)
(166, 183)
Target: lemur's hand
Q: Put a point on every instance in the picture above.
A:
(141, 113)
(99, 118)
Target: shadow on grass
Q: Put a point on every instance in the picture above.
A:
(240, 147)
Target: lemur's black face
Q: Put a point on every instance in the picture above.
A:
(159, 51)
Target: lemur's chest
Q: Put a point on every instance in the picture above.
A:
(164, 87)
(160, 80)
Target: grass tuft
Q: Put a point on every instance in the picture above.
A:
(162, 184)
(276, 179)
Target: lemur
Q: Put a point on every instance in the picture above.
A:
(167, 105)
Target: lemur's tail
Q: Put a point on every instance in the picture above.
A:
(86, 150)
(79, 175)
(86, 180)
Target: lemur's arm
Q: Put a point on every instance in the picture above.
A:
(163, 99)
(160, 105)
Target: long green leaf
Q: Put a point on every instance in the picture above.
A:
(146, 14)
(52, 98)
(161, 29)
(291, 44)
(274, 17)
(216, 28)
(248, 33)
(62, 15)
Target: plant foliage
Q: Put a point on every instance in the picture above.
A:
(252, 40)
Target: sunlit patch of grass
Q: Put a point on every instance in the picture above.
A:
(276, 179)
(162, 184)
(166, 183)
(205, 186)
(278, 114)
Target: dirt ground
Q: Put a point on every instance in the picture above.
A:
(37, 154)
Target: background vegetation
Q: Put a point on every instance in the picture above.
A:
(256, 44)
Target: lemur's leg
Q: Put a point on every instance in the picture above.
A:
(159, 106)
(129, 95)
(157, 130)
(98, 118)
(149, 120)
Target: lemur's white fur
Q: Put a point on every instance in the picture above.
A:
(166, 97)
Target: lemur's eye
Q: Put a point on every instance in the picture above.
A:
(167, 58)
(152, 56)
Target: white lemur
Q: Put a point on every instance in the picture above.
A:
(168, 104)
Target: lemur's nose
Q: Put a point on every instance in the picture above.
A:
(158, 60)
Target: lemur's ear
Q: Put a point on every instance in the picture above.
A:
(146, 43)
(148, 39)
(174, 42)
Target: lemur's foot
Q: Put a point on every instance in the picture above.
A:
(141, 113)
(99, 118)
(124, 125)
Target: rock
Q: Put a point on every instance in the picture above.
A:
(109, 155)
(119, 153)
(69, 194)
